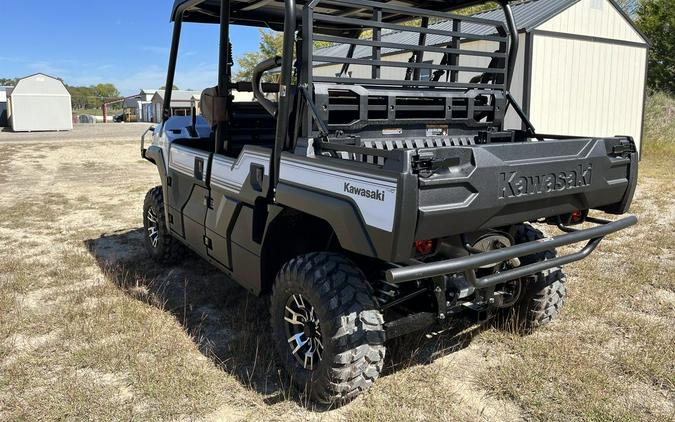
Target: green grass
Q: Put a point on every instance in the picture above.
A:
(96, 111)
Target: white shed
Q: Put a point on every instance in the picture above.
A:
(39, 103)
(3, 105)
(581, 68)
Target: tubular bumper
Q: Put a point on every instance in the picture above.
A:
(469, 264)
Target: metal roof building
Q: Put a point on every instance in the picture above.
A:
(181, 103)
(138, 108)
(39, 103)
(581, 65)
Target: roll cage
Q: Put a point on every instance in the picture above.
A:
(332, 107)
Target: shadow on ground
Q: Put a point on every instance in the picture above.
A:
(230, 325)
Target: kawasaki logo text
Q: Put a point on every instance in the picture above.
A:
(366, 193)
(514, 185)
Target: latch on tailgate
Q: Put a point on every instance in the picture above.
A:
(425, 163)
(624, 147)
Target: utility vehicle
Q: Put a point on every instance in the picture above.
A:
(381, 198)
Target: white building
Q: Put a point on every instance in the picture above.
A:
(139, 107)
(39, 103)
(181, 103)
(3, 105)
(581, 67)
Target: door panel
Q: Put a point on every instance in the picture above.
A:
(188, 193)
(235, 187)
(218, 222)
(193, 219)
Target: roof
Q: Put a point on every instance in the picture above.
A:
(270, 13)
(56, 87)
(630, 21)
(528, 15)
(178, 98)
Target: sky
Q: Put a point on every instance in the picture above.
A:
(124, 42)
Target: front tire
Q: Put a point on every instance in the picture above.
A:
(326, 327)
(159, 243)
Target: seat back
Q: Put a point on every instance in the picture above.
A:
(250, 124)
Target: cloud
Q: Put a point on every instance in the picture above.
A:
(153, 77)
(154, 49)
(10, 59)
(128, 80)
(48, 68)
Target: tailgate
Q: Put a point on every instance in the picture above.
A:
(487, 186)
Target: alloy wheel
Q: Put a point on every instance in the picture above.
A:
(303, 329)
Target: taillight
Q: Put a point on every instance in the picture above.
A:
(424, 247)
(577, 217)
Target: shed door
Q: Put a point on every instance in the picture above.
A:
(587, 88)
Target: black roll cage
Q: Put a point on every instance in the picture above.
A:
(291, 35)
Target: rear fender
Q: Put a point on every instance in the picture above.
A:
(372, 210)
(339, 213)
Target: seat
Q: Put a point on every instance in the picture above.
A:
(250, 124)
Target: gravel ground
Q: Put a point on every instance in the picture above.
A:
(98, 132)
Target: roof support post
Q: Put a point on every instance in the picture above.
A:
(513, 49)
(173, 55)
(171, 73)
(224, 75)
(456, 45)
(285, 80)
(377, 37)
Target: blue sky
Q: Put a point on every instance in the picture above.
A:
(125, 42)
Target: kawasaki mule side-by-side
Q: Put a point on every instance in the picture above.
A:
(374, 190)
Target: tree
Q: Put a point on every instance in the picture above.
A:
(92, 97)
(175, 88)
(629, 6)
(8, 81)
(468, 11)
(656, 18)
(271, 44)
(107, 91)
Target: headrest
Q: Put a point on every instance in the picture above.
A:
(214, 106)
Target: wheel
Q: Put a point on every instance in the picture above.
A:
(161, 246)
(543, 294)
(326, 326)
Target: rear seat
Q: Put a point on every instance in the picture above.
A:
(250, 124)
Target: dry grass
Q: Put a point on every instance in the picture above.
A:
(91, 329)
(659, 125)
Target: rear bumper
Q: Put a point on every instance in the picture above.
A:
(469, 264)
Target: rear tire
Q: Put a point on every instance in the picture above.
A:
(338, 302)
(159, 243)
(543, 294)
